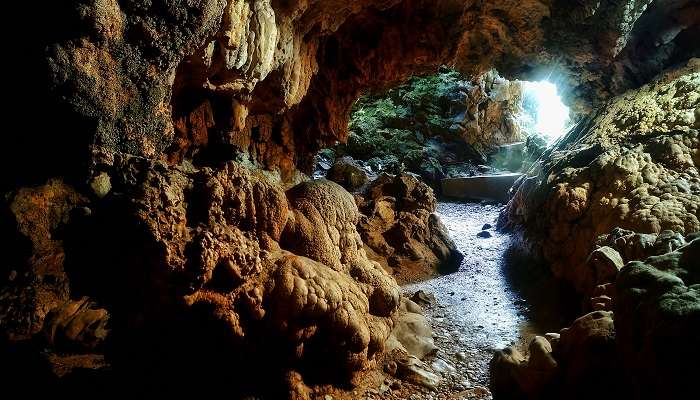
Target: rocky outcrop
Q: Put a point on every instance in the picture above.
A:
(630, 167)
(224, 253)
(76, 325)
(651, 311)
(400, 229)
(413, 334)
(249, 257)
(633, 164)
(493, 108)
(348, 173)
(577, 362)
(275, 81)
(657, 315)
(34, 277)
(158, 141)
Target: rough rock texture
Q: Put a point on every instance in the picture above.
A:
(493, 107)
(221, 253)
(578, 362)
(157, 139)
(657, 317)
(34, 275)
(275, 80)
(400, 229)
(633, 164)
(76, 324)
(348, 173)
(223, 258)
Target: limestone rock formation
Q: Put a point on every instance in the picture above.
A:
(35, 278)
(218, 238)
(160, 143)
(77, 324)
(633, 164)
(578, 363)
(657, 316)
(276, 80)
(224, 253)
(651, 313)
(348, 173)
(493, 108)
(400, 229)
(412, 334)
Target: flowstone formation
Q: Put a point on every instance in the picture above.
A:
(160, 229)
(224, 254)
(400, 229)
(633, 164)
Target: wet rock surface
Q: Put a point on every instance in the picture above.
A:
(641, 315)
(400, 229)
(632, 164)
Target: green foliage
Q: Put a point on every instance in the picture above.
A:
(393, 128)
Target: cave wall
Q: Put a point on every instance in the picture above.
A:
(633, 164)
(161, 141)
(164, 78)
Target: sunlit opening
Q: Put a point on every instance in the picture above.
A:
(548, 114)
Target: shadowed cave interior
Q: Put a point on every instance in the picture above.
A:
(379, 199)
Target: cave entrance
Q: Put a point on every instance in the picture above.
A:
(544, 112)
(469, 139)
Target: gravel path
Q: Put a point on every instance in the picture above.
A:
(497, 298)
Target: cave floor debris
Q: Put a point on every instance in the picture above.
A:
(476, 309)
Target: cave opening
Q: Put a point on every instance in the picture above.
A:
(451, 147)
(544, 111)
(451, 131)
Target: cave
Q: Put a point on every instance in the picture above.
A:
(379, 199)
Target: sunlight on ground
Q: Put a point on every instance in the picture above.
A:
(551, 116)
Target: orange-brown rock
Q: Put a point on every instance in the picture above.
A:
(399, 228)
(35, 277)
(77, 325)
(227, 255)
(281, 76)
(190, 120)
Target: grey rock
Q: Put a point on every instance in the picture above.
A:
(484, 234)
